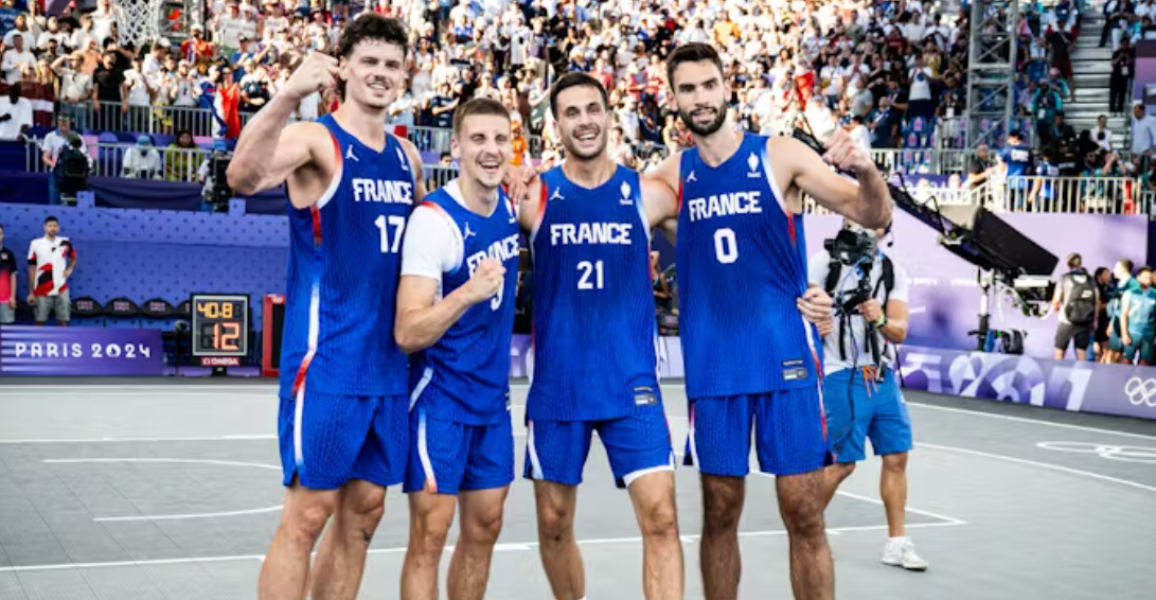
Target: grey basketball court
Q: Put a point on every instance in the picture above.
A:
(121, 491)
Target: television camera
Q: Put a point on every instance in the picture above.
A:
(1007, 261)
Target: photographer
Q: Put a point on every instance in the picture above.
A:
(863, 399)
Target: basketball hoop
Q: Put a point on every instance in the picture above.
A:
(138, 21)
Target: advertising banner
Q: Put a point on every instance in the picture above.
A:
(1122, 390)
(62, 351)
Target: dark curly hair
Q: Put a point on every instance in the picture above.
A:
(372, 26)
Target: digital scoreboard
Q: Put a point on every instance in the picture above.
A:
(220, 328)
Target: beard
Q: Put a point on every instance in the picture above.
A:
(708, 129)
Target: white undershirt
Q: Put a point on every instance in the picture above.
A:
(433, 242)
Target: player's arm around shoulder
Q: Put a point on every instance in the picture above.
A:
(433, 247)
(798, 169)
(660, 195)
(418, 169)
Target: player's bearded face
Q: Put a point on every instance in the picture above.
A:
(701, 97)
(482, 147)
(374, 73)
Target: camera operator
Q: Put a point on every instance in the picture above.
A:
(71, 170)
(863, 399)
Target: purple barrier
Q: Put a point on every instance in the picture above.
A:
(58, 351)
(1121, 390)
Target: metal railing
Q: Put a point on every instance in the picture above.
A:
(1113, 195)
(169, 163)
(155, 119)
(927, 161)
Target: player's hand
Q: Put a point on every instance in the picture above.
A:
(871, 310)
(31, 299)
(1127, 339)
(486, 282)
(317, 73)
(12, 302)
(845, 154)
(816, 305)
(518, 180)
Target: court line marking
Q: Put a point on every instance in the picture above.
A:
(218, 438)
(177, 517)
(1033, 421)
(1024, 461)
(918, 511)
(507, 547)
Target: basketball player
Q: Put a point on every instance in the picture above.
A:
(343, 422)
(594, 345)
(455, 311)
(590, 223)
(751, 361)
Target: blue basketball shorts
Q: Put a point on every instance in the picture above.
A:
(329, 439)
(879, 412)
(788, 427)
(637, 444)
(447, 457)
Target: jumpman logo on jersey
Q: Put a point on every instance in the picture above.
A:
(404, 161)
(468, 233)
(691, 177)
(557, 195)
(350, 155)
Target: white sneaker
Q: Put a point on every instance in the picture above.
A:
(902, 554)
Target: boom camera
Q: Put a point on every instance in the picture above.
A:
(854, 247)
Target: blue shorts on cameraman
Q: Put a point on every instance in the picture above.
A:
(861, 406)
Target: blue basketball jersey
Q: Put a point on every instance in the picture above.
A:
(742, 264)
(464, 376)
(1018, 160)
(594, 322)
(344, 265)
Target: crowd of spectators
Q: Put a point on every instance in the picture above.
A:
(873, 66)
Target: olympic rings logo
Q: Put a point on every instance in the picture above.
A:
(1141, 391)
(1133, 454)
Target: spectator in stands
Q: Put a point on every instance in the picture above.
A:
(51, 261)
(15, 115)
(16, 59)
(8, 14)
(1116, 15)
(8, 288)
(1101, 135)
(180, 160)
(142, 161)
(1143, 131)
(109, 93)
(1120, 81)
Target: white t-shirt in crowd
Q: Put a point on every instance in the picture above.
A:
(51, 257)
(13, 62)
(21, 114)
(920, 89)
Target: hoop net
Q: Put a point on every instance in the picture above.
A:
(138, 21)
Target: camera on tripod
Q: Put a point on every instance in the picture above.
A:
(853, 247)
